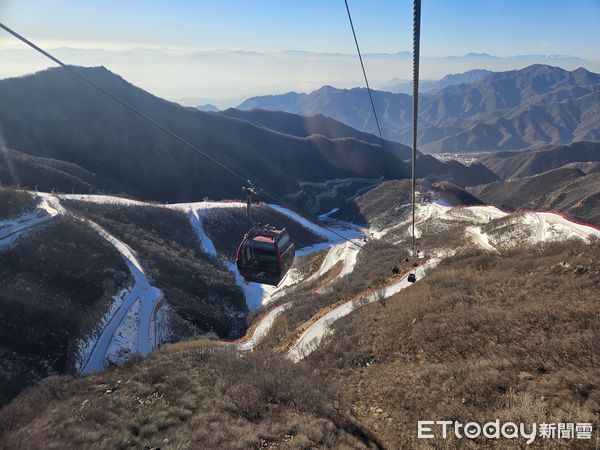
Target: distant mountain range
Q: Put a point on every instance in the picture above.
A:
(397, 85)
(208, 107)
(539, 104)
(60, 133)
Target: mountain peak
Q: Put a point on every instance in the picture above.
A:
(538, 67)
(327, 88)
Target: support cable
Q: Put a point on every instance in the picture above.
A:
(362, 65)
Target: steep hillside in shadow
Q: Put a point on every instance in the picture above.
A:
(90, 141)
(303, 126)
(508, 165)
(52, 114)
(56, 284)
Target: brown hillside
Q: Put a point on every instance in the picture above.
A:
(482, 337)
(190, 395)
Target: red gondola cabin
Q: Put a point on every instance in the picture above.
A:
(265, 255)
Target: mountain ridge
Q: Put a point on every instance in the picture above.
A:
(568, 190)
(501, 110)
(509, 165)
(397, 85)
(51, 114)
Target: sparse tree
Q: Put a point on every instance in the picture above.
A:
(380, 297)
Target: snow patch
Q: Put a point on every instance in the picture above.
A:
(346, 252)
(254, 292)
(207, 243)
(325, 233)
(263, 327)
(313, 336)
(142, 290)
(102, 199)
(481, 238)
(553, 227)
(329, 213)
(11, 228)
(86, 346)
(125, 340)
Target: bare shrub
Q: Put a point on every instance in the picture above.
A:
(379, 294)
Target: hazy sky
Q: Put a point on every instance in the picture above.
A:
(499, 27)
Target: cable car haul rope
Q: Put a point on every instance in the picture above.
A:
(415, 111)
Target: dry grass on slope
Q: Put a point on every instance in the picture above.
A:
(56, 283)
(14, 203)
(373, 268)
(482, 337)
(196, 395)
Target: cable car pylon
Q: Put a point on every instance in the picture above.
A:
(415, 115)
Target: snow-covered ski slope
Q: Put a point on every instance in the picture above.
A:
(482, 239)
(347, 252)
(263, 327)
(132, 312)
(140, 317)
(541, 226)
(12, 228)
(258, 295)
(198, 212)
(530, 227)
(554, 226)
(129, 325)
